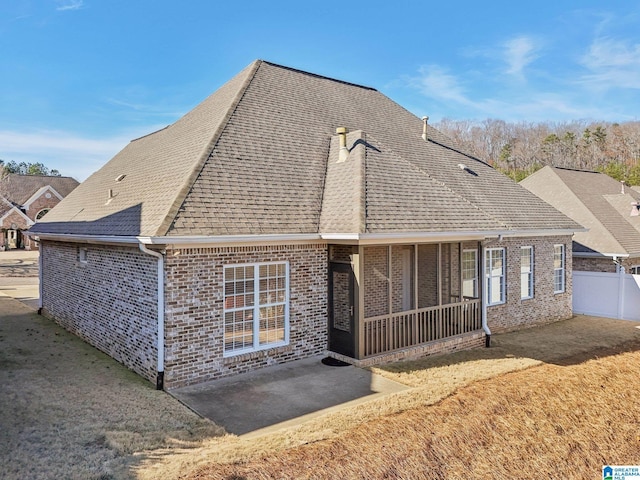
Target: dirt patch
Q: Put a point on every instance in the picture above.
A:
(70, 411)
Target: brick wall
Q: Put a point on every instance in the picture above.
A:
(546, 306)
(41, 203)
(111, 301)
(194, 308)
(602, 264)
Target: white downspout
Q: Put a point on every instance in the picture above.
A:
(39, 278)
(160, 257)
(483, 300)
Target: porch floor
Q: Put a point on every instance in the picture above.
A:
(258, 402)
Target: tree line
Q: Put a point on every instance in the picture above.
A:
(521, 148)
(26, 168)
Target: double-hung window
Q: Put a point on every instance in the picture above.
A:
(470, 273)
(256, 307)
(526, 272)
(494, 271)
(558, 269)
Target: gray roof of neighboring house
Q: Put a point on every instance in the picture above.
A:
(259, 157)
(595, 200)
(19, 188)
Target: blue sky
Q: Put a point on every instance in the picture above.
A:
(80, 78)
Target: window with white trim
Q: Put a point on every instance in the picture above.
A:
(470, 273)
(526, 272)
(256, 307)
(494, 271)
(635, 270)
(558, 269)
(83, 253)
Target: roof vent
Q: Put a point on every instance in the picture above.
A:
(119, 178)
(424, 128)
(344, 151)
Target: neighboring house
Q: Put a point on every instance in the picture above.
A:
(25, 199)
(291, 215)
(606, 207)
(611, 212)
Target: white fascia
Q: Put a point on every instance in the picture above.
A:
(19, 212)
(301, 238)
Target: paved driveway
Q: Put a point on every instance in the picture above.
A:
(19, 276)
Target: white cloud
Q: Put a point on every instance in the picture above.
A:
(69, 153)
(69, 5)
(435, 82)
(612, 64)
(518, 53)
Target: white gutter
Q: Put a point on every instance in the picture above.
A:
(160, 257)
(358, 238)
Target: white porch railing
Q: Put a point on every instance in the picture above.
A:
(386, 333)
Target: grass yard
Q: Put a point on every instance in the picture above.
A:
(555, 401)
(69, 412)
(552, 421)
(465, 417)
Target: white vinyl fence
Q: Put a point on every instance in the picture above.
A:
(613, 295)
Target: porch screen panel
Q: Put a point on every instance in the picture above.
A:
(402, 267)
(376, 281)
(341, 302)
(427, 275)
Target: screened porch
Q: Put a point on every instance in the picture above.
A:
(403, 295)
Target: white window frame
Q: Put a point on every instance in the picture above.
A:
(490, 275)
(526, 273)
(474, 279)
(634, 270)
(559, 271)
(256, 308)
(83, 253)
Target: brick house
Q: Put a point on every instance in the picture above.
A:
(290, 215)
(25, 199)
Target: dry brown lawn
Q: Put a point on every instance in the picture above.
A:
(569, 404)
(552, 421)
(67, 411)
(452, 392)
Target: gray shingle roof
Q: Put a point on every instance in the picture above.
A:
(19, 188)
(256, 157)
(596, 201)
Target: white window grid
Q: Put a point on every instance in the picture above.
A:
(526, 272)
(559, 269)
(256, 307)
(495, 271)
(470, 273)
